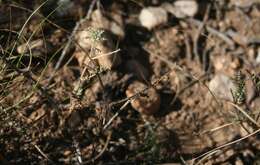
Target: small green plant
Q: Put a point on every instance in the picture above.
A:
(239, 98)
(239, 93)
(96, 35)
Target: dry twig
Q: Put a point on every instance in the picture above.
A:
(197, 35)
(228, 144)
(213, 31)
(43, 154)
(102, 151)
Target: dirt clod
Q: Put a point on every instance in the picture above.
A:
(129, 82)
(149, 101)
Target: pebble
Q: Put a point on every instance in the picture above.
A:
(186, 8)
(36, 115)
(182, 8)
(37, 48)
(221, 86)
(152, 17)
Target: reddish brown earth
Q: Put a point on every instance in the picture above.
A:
(165, 97)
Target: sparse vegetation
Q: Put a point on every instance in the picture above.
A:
(90, 82)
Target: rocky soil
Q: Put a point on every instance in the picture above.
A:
(130, 82)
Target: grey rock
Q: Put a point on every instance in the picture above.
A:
(221, 86)
(182, 8)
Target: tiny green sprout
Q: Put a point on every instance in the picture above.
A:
(256, 80)
(239, 93)
(96, 35)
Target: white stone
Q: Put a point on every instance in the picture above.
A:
(152, 16)
(185, 8)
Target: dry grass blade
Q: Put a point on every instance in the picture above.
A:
(37, 85)
(106, 54)
(207, 156)
(129, 99)
(34, 32)
(214, 32)
(245, 114)
(102, 151)
(26, 22)
(116, 114)
(217, 128)
(228, 144)
(43, 154)
(175, 66)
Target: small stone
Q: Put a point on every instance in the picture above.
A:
(184, 8)
(221, 86)
(251, 53)
(148, 102)
(66, 152)
(37, 48)
(36, 115)
(153, 16)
